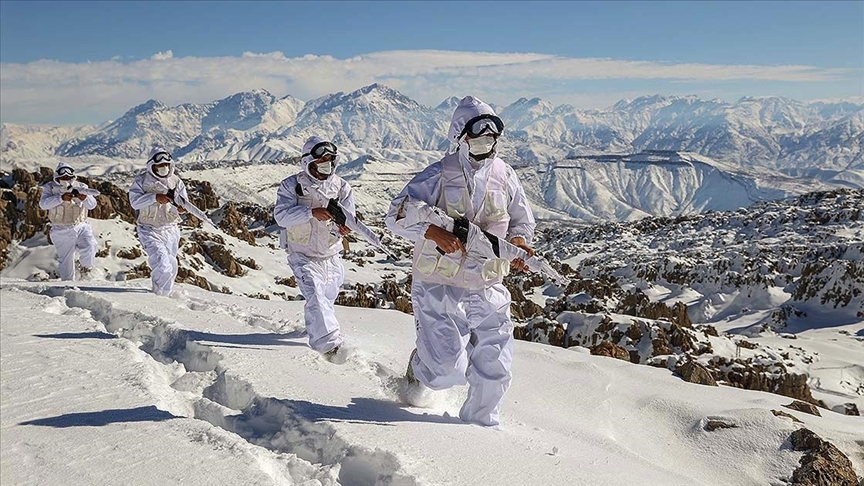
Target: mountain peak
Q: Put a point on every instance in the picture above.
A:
(449, 104)
(148, 105)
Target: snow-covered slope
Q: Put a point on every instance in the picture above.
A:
(205, 389)
(20, 143)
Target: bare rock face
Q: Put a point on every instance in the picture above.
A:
(399, 294)
(363, 296)
(822, 464)
(851, 409)
(804, 407)
(138, 271)
(35, 218)
(213, 247)
(130, 253)
(780, 413)
(637, 304)
(542, 330)
(605, 348)
(201, 194)
(288, 282)
(233, 224)
(714, 424)
(694, 372)
(112, 202)
(754, 376)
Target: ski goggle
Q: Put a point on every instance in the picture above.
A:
(161, 157)
(483, 124)
(322, 149)
(65, 172)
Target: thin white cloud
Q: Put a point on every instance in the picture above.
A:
(161, 56)
(47, 90)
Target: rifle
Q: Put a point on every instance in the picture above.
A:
(75, 191)
(475, 240)
(345, 218)
(181, 202)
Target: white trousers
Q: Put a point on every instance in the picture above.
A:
(465, 336)
(68, 239)
(319, 281)
(161, 244)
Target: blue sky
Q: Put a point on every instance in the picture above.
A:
(191, 40)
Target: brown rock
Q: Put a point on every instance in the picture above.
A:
(605, 348)
(712, 425)
(112, 202)
(780, 413)
(233, 224)
(403, 304)
(693, 372)
(141, 270)
(851, 409)
(104, 252)
(130, 253)
(201, 194)
(822, 464)
(364, 296)
(804, 407)
(185, 275)
(288, 282)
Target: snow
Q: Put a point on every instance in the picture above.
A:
(196, 392)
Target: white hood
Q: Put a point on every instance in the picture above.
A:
(60, 166)
(305, 160)
(150, 163)
(468, 108)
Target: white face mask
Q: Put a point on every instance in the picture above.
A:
(163, 171)
(325, 168)
(481, 145)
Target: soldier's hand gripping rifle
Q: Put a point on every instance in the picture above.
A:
(75, 191)
(345, 218)
(475, 240)
(182, 202)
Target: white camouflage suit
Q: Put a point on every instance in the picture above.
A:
(158, 223)
(70, 230)
(314, 247)
(461, 308)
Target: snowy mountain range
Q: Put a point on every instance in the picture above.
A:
(654, 155)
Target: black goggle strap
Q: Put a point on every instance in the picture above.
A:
(160, 157)
(320, 150)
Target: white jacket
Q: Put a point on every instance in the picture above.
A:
(491, 196)
(302, 233)
(142, 196)
(65, 213)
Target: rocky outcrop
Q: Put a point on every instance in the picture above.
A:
(361, 296)
(213, 248)
(130, 253)
(605, 348)
(201, 194)
(770, 377)
(780, 413)
(694, 372)
(232, 223)
(636, 303)
(714, 424)
(804, 407)
(822, 464)
(112, 202)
